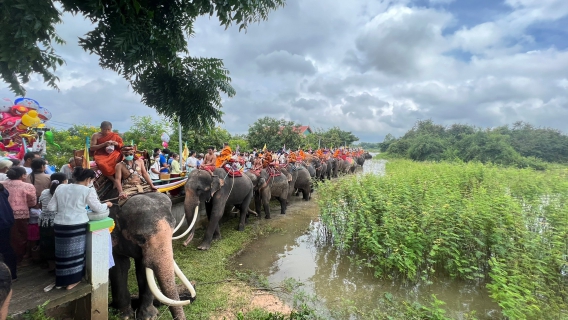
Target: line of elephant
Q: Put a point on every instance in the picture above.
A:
(145, 226)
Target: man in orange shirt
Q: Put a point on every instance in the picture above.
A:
(224, 156)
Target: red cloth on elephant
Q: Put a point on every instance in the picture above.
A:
(107, 162)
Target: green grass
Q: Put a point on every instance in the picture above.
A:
(482, 223)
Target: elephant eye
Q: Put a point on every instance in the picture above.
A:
(207, 188)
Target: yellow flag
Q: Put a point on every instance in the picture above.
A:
(185, 153)
(264, 149)
(86, 160)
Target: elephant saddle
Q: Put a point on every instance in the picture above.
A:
(132, 190)
(273, 171)
(232, 171)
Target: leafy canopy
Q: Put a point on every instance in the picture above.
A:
(145, 41)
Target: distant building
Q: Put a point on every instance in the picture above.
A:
(303, 130)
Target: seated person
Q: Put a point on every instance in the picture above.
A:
(132, 176)
(224, 156)
(106, 146)
(175, 167)
(292, 158)
(210, 158)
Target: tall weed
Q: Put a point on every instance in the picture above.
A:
(503, 227)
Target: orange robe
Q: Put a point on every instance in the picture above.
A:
(267, 159)
(225, 155)
(302, 154)
(336, 153)
(107, 162)
(319, 153)
(292, 158)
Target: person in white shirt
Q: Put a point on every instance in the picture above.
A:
(4, 166)
(155, 168)
(28, 157)
(191, 162)
(70, 201)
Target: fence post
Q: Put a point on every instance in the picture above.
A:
(98, 246)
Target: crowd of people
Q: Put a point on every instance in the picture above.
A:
(43, 218)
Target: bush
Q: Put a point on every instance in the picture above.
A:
(467, 221)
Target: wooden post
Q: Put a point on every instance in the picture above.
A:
(98, 246)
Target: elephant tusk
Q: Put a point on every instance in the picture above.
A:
(179, 225)
(184, 280)
(159, 295)
(190, 227)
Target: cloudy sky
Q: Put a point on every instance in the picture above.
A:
(368, 66)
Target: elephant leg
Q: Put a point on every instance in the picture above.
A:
(283, 204)
(257, 202)
(146, 309)
(213, 230)
(119, 286)
(266, 202)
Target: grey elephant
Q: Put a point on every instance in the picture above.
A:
(216, 190)
(270, 187)
(303, 183)
(144, 227)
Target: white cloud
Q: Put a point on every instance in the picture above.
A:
(371, 67)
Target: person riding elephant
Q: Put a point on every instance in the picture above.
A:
(216, 189)
(144, 228)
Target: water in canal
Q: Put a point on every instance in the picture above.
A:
(297, 252)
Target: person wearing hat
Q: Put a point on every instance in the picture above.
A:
(4, 166)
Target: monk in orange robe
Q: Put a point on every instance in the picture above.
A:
(302, 154)
(106, 146)
(224, 156)
(319, 154)
(292, 157)
(336, 153)
(267, 159)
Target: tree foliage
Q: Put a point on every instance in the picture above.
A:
(274, 133)
(69, 140)
(144, 41)
(521, 145)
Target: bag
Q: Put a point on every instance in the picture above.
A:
(164, 176)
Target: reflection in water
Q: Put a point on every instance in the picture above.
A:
(298, 252)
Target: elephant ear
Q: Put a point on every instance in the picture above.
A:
(216, 185)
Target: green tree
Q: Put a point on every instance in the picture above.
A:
(69, 140)
(274, 133)
(200, 140)
(144, 41)
(335, 137)
(146, 134)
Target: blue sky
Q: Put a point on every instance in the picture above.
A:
(370, 67)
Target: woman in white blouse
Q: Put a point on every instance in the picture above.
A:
(70, 201)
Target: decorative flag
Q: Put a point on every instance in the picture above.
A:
(264, 148)
(185, 153)
(86, 160)
(284, 147)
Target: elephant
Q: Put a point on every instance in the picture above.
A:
(367, 155)
(360, 160)
(216, 190)
(335, 167)
(267, 187)
(292, 169)
(330, 164)
(304, 183)
(311, 169)
(144, 228)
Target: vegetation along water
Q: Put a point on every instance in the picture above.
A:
(502, 228)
